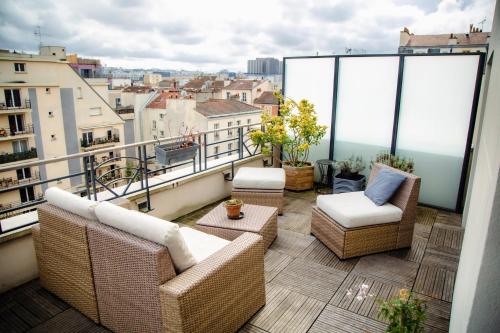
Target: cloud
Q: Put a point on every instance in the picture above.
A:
(210, 35)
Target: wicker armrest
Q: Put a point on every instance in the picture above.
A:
(220, 293)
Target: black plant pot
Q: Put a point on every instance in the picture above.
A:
(348, 183)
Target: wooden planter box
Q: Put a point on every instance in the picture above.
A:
(171, 153)
(299, 178)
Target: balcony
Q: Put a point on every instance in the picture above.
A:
(101, 142)
(8, 182)
(16, 157)
(9, 134)
(25, 106)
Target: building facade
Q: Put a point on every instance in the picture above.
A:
(473, 41)
(47, 110)
(245, 91)
(264, 66)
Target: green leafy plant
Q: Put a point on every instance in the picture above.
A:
(395, 161)
(405, 314)
(350, 167)
(296, 129)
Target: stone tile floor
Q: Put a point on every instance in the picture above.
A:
(307, 285)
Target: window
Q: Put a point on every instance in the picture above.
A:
(162, 115)
(244, 97)
(47, 91)
(79, 92)
(228, 95)
(229, 131)
(229, 148)
(216, 152)
(52, 137)
(51, 114)
(154, 124)
(249, 121)
(95, 111)
(162, 134)
(118, 101)
(87, 138)
(109, 134)
(12, 98)
(27, 194)
(20, 146)
(24, 173)
(19, 67)
(216, 134)
(238, 122)
(16, 123)
(433, 51)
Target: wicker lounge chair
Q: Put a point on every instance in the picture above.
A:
(347, 242)
(260, 186)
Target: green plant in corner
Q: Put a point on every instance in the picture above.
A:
(296, 129)
(395, 161)
(405, 314)
(350, 167)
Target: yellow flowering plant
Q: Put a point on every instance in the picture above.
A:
(296, 129)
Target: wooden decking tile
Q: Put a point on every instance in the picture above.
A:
(310, 279)
(334, 319)
(287, 311)
(446, 238)
(291, 243)
(68, 321)
(435, 281)
(438, 313)
(297, 222)
(249, 328)
(415, 253)
(319, 253)
(387, 269)
(426, 216)
(275, 262)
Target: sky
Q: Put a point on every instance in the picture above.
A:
(223, 34)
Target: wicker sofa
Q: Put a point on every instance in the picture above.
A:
(348, 242)
(137, 288)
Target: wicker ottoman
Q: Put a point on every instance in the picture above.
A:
(261, 220)
(260, 186)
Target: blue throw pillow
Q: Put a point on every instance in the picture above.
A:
(385, 184)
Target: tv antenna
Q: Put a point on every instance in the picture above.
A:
(38, 33)
(482, 23)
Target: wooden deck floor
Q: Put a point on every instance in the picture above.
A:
(307, 285)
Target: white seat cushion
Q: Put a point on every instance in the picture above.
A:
(354, 209)
(148, 227)
(260, 178)
(202, 245)
(71, 202)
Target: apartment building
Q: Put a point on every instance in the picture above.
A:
(222, 114)
(87, 68)
(47, 110)
(245, 91)
(266, 66)
(474, 41)
(152, 79)
(268, 103)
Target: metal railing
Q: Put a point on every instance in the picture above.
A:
(19, 156)
(134, 166)
(26, 104)
(10, 132)
(99, 141)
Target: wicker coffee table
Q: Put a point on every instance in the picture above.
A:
(261, 220)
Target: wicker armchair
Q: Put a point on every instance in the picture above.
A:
(138, 290)
(63, 258)
(353, 242)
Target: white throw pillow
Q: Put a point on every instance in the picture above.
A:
(148, 227)
(71, 202)
(201, 244)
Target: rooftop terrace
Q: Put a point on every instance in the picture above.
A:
(306, 284)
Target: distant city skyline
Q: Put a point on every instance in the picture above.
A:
(209, 36)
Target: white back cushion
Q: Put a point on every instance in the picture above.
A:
(71, 202)
(148, 227)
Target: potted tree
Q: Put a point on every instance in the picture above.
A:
(296, 129)
(349, 179)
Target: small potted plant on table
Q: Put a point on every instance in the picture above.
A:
(349, 179)
(295, 130)
(233, 208)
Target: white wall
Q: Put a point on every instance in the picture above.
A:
(476, 300)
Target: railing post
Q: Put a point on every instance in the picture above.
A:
(205, 148)
(140, 166)
(86, 175)
(92, 175)
(199, 151)
(240, 142)
(145, 170)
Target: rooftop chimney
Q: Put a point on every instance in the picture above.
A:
(404, 37)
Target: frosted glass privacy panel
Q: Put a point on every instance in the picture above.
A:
(312, 79)
(365, 106)
(436, 106)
